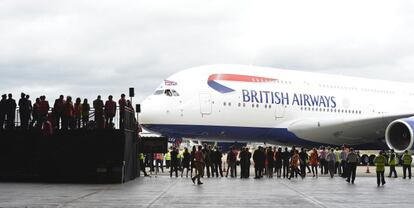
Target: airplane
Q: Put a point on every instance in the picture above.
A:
(279, 106)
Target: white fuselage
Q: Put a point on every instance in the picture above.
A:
(249, 103)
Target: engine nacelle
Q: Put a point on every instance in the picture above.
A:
(399, 134)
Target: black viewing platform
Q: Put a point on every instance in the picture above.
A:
(81, 155)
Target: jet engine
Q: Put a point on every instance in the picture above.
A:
(399, 134)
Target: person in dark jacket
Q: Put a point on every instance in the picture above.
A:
(304, 157)
(231, 161)
(217, 162)
(278, 162)
(186, 162)
(270, 156)
(85, 112)
(3, 110)
(174, 162)
(24, 111)
(207, 160)
(99, 112)
(58, 110)
(192, 161)
(10, 112)
(259, 160)
(243, 163)
(285, 162)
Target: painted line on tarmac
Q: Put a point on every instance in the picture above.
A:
(162, 193)
(305, 196)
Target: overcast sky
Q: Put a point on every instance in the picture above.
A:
(84, 48)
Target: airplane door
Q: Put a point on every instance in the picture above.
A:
(279, 111)
(205, 103)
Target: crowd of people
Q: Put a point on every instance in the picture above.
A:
(270, 161)
(64, 114)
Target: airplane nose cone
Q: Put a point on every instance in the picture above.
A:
(145, 116)
(151, 111)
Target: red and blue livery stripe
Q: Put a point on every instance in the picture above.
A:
(212, 81)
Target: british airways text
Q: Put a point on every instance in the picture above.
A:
(284, 98)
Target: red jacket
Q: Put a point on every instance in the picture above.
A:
(110, 108)
(68, 111)
(43, 107)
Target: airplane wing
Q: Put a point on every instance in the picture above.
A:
(344, 130)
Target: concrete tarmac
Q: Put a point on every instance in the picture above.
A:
(163, 191)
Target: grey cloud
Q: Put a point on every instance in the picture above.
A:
(85, 48)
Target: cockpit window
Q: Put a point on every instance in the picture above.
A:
(159, 92)
(175, 93)
(171, 92)
(168, 92)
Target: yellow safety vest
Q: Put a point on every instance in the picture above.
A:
(380, 163)
(407, 159)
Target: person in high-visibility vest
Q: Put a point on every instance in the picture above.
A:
(380, 168)
(407, 159)
(338, 167)
(142, 164)
(392, 162)
(167, 160)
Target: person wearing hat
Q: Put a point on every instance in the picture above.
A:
(352, 161)
(380, 167)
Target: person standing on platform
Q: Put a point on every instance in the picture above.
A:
(36, 114)
(68, 113)
(110, 111)
(185, 162)
(77, 114)
(314, 161)
(3, 111)
(174, 162)
(278, 162)
(10, 112)
(285, 162)
(392, 162)
(85, 112)
(43, 110)
(217, 162)
(352, 161)
(199, 163)
(331, 160)
(122, 104)
(270, 156)
(407, 160)
(380, 168)
(58, 110)
(98, 106)
(24, 111)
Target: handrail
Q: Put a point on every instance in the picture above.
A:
(130, 119)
